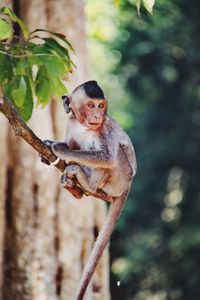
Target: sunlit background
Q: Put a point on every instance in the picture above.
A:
(149, 68)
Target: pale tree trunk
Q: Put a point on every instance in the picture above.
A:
(48, 234)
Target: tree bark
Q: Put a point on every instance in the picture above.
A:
(48, 234)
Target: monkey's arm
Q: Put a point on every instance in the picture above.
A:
(96, 159)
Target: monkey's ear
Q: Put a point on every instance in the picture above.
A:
(66, 102)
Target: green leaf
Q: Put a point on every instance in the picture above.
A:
(18, 90)
(56, 65)
(9, 12)
(26, 110)
(58, 35)
(6, 70)
(61, 52)
(21, 67)
(6, 30)
(57, 87)
(54, 45)
(149, 4)
(43, 88)
(53, 56)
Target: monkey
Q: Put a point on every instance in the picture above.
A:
(101, 160)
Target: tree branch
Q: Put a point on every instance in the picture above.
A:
(22, 130)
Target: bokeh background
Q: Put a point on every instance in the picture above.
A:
(148, 66)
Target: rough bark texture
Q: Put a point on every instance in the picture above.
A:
(48, 234)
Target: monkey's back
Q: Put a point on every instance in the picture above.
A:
(125, 168)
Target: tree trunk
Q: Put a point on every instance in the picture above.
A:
(48, 234)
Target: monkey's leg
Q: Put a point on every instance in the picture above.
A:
(83, 178)
(70, 185)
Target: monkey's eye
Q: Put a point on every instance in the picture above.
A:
(101, 105)
(90, 105)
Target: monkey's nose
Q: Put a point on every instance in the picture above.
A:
(96, 118)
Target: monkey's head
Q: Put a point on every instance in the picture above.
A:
(88, 104)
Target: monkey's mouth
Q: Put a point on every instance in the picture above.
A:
(96, 124)
(93, 125)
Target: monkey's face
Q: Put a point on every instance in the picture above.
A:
(94, 112)
(88, 111)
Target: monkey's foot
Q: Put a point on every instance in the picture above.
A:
(72, 170)
(75, 191)
(69, 184)
(66, 181)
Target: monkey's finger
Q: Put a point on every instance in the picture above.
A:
(72, 169)
(48, 142)
(66, 182)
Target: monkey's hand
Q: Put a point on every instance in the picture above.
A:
(73, 170)
(59, 148)
(43, 159)
(69, 182)
(66, 181)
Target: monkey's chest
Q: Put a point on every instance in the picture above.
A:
(72, 144)
(80, 138)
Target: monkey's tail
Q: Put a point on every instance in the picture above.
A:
(101, 242)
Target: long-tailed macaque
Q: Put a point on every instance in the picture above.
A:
(100, 157)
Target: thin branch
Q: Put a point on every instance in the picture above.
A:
(21, 129)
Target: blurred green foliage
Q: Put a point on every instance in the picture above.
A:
(149, 68)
